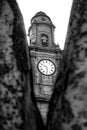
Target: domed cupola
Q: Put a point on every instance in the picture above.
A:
(41, 17)
(41, 32)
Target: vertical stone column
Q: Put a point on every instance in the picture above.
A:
(17, 107)
(68, 107)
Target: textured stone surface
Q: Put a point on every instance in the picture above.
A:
(68, 107)
(17, 107)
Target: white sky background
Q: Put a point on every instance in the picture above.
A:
(57, 10)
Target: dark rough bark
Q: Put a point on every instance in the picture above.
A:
(68, 106)
(17, 107)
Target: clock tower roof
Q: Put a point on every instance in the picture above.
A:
(41, 17)
(40, 13)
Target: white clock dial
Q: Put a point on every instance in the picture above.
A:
(46, 67)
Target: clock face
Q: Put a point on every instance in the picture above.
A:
(46, 67)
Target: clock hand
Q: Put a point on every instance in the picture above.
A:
(45, 67)
(47, 70)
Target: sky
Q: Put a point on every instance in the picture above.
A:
(57, 10)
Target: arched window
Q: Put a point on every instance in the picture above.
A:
(44, 40)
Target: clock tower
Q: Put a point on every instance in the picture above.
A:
(45, 58)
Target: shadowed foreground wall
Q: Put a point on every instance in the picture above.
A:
(17, 107)
(68, 107)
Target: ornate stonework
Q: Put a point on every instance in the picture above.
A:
(42, 48)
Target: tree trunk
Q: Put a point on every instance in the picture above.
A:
(68, 106)
(17, 106)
